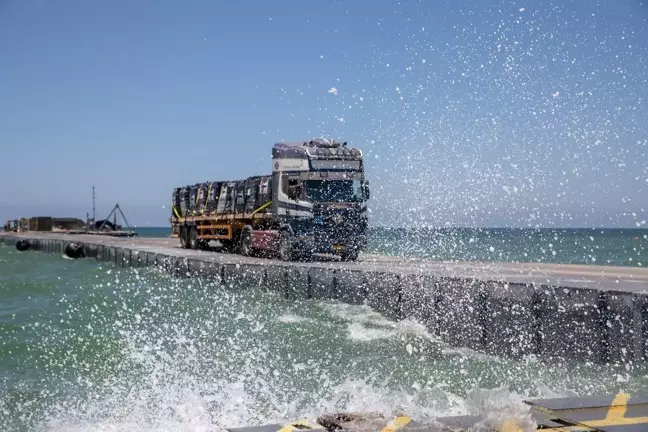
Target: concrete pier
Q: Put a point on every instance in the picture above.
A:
(622, 412)
(577, 312)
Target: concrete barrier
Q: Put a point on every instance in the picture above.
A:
(194, 268)
(461, 311)
(212, 271)
(276, 278)
(624, 323)
(510, 319)
(243, 276)
(181, 267)
(419, 300)
(571, 326)
(35, 245)
(351, 286)
(384, 294)
(120, 257)
(322, 283)
(91, 251)
(150, 259)
(297, 284)
(139, 258)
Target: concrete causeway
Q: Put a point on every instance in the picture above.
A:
(576, 312)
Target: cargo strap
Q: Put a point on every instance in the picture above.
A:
(207, 197)
(261, 208)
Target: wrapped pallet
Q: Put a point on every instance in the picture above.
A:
(177, 202)
(193, 195)
(212, 197)
(201, 202)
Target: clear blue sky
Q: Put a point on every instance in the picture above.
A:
(508, 113)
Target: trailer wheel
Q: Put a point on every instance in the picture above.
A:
(183, 237)
(193, 238)
(285, 248)
(246, 243)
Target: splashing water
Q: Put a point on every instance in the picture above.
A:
(482, 114)
(104, 348)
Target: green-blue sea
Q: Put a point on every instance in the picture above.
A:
(86, 346)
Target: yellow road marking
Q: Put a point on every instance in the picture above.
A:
(511, 426)
(569, 429)
(614, 417)
(291, 427)
(396, 424)
(616, 414)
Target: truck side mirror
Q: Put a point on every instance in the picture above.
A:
(365, 190)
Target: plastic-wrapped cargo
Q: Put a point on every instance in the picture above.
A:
(212, 197)
(240, 197)
(193, 194)
(201, 200)
(177, 202)
(184, 201)
(230, 195)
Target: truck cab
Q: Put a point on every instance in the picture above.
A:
(320, 198)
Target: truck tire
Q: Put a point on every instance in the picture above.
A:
(193, 238)
(183, 237)
(245, 245)
(285, 248)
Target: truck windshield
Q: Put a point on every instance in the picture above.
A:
(333, 190)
